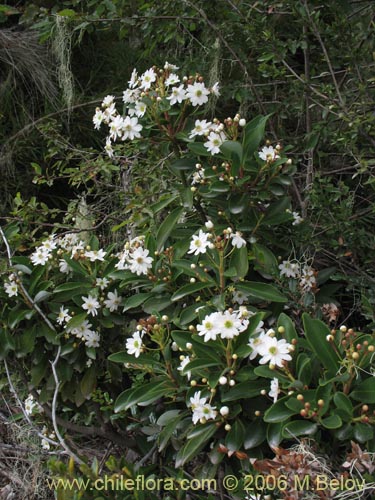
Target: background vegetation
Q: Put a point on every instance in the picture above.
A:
(307, 65)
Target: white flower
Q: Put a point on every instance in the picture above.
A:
(297, 219)
(113, 301)
(197, 93)
(201, 409)
(92, 339)
(172, 79)
(308, 280)
(201, 127)
(140, 108)
(102, 283)
(134, 345)
(98, 118)
(196, 400)
(130, 96)
(81, 331)
(64, 266)
(289, 269)
(178, 94)
(275, 352)
(30, 404)
(209, 328)
(230, 325)
(49, 244)
(40, 256)
(274, 392)
(237, 240)
(133, 79)
(147, 79)
(239, 297)
(140, 262)
(170, 67)
(268, 154)
(63, 316)
(108, 147)
(45, 444)
(198, 177)
(214, 141)
(209, 225)
(258, 344)
(91, 305)
(131, 128)
(199, 243)
(108, 101)
(94, 255)
(115, 127)
(215, 89)
(185, 362)
(109, 113)
(11, 289)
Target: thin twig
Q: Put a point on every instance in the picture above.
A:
(54, 407)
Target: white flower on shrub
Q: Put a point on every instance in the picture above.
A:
(297, 219)
(30, 404)
(237, 240)
(275, 352)
(289, 269)
(172, 79)
(134, 345)
(140, 262)
(197, 177)
(197, 94)
(178, 94)
(147, 79)
(307, 281)
(116, 127)
(94, 255)
(113, 301)
(108, 101)
(92, 339)
(239, 297)
(214, 141)
(81, 331)
(133, 82)
(201, 409)
(63, 316)
(215, 89)
(183, 363)
(64, 267)
(49, 244)
(40, 256)
(226, 324)
(102, 283)
(199, 243)
(274, 389)
(98, 118)
(258, 344)
(11, 289)
(131, 128)
(91, 305)
(268, 154)
(201, 127)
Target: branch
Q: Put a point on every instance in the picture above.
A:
(54, 405)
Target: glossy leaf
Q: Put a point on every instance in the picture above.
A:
(189, 290)
(262, 291)
(195, 443)
(145, 394)
(365, 391)
(167, 227)
(299, 428)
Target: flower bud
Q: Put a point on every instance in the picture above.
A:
(224, 411)
(242, 122)
(223, 380)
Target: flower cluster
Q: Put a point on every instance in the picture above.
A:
(11, 287)
(83, 332)
(203, 241)
(202, 411)
(227, 325)
(272, 351)
(146, 91)
(31, 405)
(304, 273)
(135, 257)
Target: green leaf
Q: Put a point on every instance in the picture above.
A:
(67, 13)
(88, 382)
(245, 390)
(255, 434)
(189, 290)
(290, 331)
(162, 203)
(17, 315)
(235, 437)
(124, 357)
(72, 286)
(169, 429)
(253, 135)
(365, 391)
(278, 412)
(316, 333)
(183, 164)
(331, 422)
(76, 321)
(195, 443)
(144, 395)
(240, 261)
(274, 434)
(238, 204)
(299, 428)
(198, 149)
(342, 402)
(135, 301)
(262, 291)
(167, 227)
(363, 432)
(6, 343)
(265, 259)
